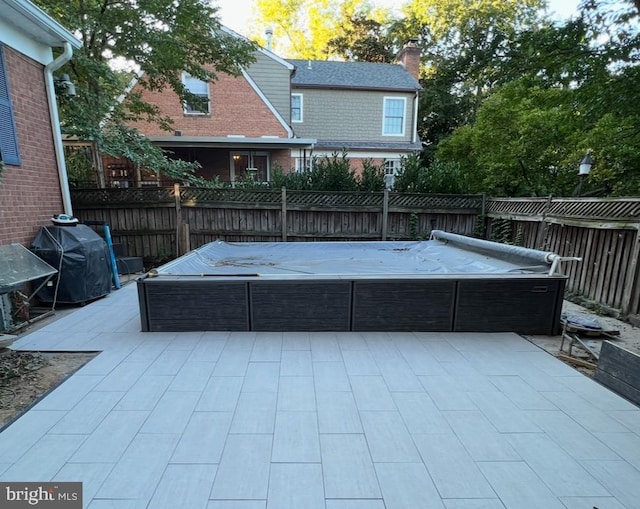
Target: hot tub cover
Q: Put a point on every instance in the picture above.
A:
(444, 254)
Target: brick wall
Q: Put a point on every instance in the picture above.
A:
(29, 193)
(235, 108)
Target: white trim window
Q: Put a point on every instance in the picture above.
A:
(392, 166)
(393, 120)
(304, 164)
(296, 108)
(200, 89)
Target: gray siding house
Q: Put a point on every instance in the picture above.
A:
(366, 109)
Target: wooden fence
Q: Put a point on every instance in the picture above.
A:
(605, 233)
(158, 223)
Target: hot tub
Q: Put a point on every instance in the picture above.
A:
(449, 283)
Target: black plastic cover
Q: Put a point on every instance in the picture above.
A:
(85, 273)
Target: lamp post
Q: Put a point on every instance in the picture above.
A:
(583, 171)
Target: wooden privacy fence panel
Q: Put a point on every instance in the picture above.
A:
(605, 233)
(158, 223)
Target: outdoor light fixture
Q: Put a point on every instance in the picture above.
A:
(66, 84)
(585, 165)
(584, 169)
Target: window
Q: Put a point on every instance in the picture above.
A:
(296, 107)
(304, 164)
(392, 166)
(393, 121)
(200, 89)
(8, 138)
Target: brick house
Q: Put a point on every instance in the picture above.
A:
(34, 185)
(283, 112)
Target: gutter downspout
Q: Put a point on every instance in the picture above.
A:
(49, 69)
(415, 118)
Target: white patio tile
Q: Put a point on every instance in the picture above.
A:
(351, 341)
(145, 393)
(453, 471)
(388, 438)
(359, 363)
(596, 394)
(479, 437)
(521, 394)
(193, 376)
(237, 504)
(185, 341)
(233, 360)
(588, 416)
(407, 485)
(559, 471)
(371, 393)
(398, 375)
(184, 486)
(444, 352)
(267, 348)
(296, 486)
(296, 363)
(91, 475)
(104, 363)
(204, 438)
(330, 376)
(88, 413)
(296, 438)
(324, 347)
(347, 467)
(338, 413)
(296, 341)
(630, 418)
(18, 438)
(502, 413)
(589, 502)
(620, 478)
(296, 394)
(137, 473)
(117, 504)
(445, 394)
(262, 377)
(243, 472)
(571, 436)
(518, 486)
(209, 348)
(168, 362)
(255, 413)
(420, 413)
(172, 413)
(44, 459)
(419, 359)
(355, 504)
(111, 438)
(473, 503)
(220, 394)
(148, 350)
(627, 445)
(67, 395)
(123, 376)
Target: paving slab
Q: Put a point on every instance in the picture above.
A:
(251, 420)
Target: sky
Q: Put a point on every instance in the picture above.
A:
(235, 13)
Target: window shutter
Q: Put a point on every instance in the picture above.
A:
(8, 139)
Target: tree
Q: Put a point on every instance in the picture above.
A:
(307, 28)
(155, 39)
(362, 39)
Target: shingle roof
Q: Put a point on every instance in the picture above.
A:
(361, 75)
(339, 145)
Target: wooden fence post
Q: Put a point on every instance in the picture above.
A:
(176, 195)
(542, 229)
(630, 290)
(283, 220)
(385, 213)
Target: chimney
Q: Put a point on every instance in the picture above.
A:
(409, 58)
(269, 37)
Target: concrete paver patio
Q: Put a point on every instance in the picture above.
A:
(320, 420)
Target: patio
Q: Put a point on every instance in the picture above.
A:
(320, 420)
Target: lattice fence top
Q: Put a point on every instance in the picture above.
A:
(596, 209)
(311, 199)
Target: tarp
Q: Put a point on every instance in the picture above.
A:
(349, 258)
(82, 257)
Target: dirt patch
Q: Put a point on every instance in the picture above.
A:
(27, 376)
